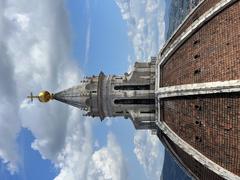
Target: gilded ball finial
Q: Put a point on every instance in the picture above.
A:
(44, 96)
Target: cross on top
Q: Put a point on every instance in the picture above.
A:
(32, 97)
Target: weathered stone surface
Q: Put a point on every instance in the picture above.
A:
(130, 95)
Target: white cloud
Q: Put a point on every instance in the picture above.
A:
(9, 121)
(22, 20)
(108, 162)
(34, 55)
(78, 160)
(39, 53)
(74, 158)
(150, 153)
(145, 20)
(88, 34)
(146, 27)
(108, 121)
(88, 43)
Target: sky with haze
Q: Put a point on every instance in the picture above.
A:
(52, 45)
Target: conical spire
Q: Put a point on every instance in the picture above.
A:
(75, 96)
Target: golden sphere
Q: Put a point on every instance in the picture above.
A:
(44, 96)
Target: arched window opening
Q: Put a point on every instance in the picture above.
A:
(133, 87)
(198, 139)
(197, 107)
(134, 101)
(118, 77)
(119, 112)
(196, 42)
(148, 112)
(196, 56)
(228, 107)
(199, 123)
(197, 71)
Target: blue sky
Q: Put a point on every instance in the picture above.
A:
(79, 38)
(108, 38)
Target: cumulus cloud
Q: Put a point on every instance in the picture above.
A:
(74, 158)
(146, 27)
(149, 153)
(38, 49)
(9, 122)
(108, 162)
(34, 55)
(79, 161)
(145, 21)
